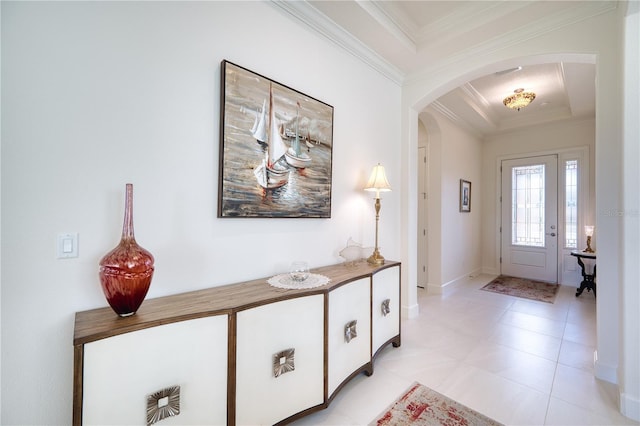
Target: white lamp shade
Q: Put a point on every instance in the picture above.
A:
(378, 180)
(588, 231)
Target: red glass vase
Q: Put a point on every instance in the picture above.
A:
(126, 271)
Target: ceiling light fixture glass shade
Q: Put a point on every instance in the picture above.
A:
(519, 99)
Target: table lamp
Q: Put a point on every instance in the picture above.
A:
(378, 183)
(588, 230)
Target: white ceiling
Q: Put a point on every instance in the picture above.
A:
(401, 38)
(563, 91)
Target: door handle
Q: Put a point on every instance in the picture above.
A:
(553, 234)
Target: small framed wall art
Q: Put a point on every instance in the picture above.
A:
(465, 196)
(276, 148)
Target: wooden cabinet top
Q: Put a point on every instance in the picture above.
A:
(101, 323)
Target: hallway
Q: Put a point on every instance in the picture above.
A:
(517, 361)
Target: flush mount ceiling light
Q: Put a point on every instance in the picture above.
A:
(519, 99)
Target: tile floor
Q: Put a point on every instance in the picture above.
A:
(517, 361)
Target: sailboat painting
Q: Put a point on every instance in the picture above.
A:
(276, 146)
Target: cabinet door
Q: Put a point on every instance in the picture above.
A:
(287, 336)
(349, 306)
(121, 372)
(385, 306)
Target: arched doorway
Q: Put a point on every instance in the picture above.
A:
(435, 262)
(417, 95)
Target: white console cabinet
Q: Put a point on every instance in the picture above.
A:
(239, 354)
(292, 327)
(385, 307)
(349, 336)
(121, 371)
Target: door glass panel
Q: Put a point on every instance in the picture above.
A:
(527, 206)
(571, 204)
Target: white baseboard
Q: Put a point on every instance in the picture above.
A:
(410, 311)
(630, 406)
(441, 289)
(434, 289)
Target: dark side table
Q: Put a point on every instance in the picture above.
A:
(588, 280)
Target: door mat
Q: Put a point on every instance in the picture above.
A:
(523, 287)
(420, 405)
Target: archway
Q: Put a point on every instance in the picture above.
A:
(415, 111)
(418, 95)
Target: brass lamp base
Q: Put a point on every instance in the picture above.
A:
(376, 258)
(588, 249)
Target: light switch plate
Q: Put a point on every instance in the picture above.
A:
(67, 245)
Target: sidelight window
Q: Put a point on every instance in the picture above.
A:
(571, 204)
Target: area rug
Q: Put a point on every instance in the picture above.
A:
(422, 406)
(522, 287)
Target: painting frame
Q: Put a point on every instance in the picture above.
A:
(276, 149)
(465, 196)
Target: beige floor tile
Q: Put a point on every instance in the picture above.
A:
(528, 341)
(584, 333)
(553, 311)
(521, 367)
(562, 413)
(577, 355)
(494, 396)
(534, 323)
(364, 397)
(581, 311)
(581, 388)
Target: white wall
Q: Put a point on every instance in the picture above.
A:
(534, 140)
(96, 95)
(456, 154)
(629, 377)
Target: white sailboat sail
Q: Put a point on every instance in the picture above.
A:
(276, 147)
(259, 130)
(294, 155)
(267, 173)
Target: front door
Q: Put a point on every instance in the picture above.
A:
(530, 218)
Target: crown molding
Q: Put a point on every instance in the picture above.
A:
(436, 106)
(461, 20)
(402, 31)
(311, 18)
(478, 103)
(446, 112)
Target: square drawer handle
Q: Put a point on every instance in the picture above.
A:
(385, 307)
(284, 362)
(162, 404)
(350, 331)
